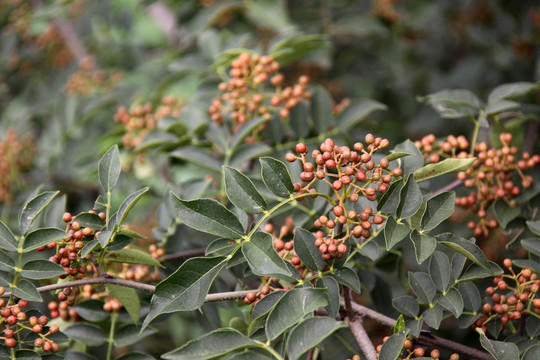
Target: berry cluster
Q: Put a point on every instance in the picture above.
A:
(141, 272)
(411, 351)
(16, 154)
(14, 320)
(513, 297)
(351, 173)
(492, 174)
(243, 96)
(89, 80)
(139, 120)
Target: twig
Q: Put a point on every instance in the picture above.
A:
(72, 41)
(362, 338)
(347, 297)
(185, 254)
(454, 184)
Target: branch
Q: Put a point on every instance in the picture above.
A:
(72, 41)
(362, 338)
(107, 279)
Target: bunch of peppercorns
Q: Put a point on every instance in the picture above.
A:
(411, 351)
(13, 320)
(492, 174)
(88, 79)
(141, 272)
(513, 297)
(351, 173)
(16, 154)
(243, 96)
(139, 120)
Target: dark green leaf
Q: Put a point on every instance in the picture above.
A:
(27, 355)
(321, 109)
(332, 287)
(347, 277)
(415, 326)
(466, 248)
(276, 177)
(75, 355)
(476, 271)
(241, 191)
(208, 216)
(90, 220)
(246, 152)
(512, 90)
(411, 163)
(86, 333)
(452, 301)
(470, 295)
(356, 112)
(392, 347)
(42, 237)
(41, 269)
(416, 219)
(439, 270)
(136, 356)
(128, 297)
(532, 325)
(438, 209)
(533, 245)
(532, 353)
(500, 350)
(263, 258)
(455, 103)
(309, 333)
(244, 132)
(406, 305)
(444, 167)
(34, 207)
(186, 288)
(221, 247)
(298, 116)
(496, 107)
(292, 307)
(198, 157)
(504, 212)
(424, 246)
(91, 310)
(132, 256)
(249, 354)
(304, 246)
(7, 239)
(433, 316)
(216, 343)
(6, 262)
(89, 247)
(410, 199)
(263, 306)
(128, 204)
(534, 226)
(394, 232)
(129, 335)
(422, 286)
(109, 168)
(396, 155)
(389, 201)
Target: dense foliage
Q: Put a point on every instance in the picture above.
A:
(269, 180)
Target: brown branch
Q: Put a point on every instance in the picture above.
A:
(70, 38)
(362, 338)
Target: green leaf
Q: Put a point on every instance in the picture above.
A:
(452, 301)
(400, 324)
(242, 193)
(198, 157)
(396, 155)
(41, 269)
(245, 131)
(410, 199)
(186, 288)
(216, 343)
(476, 271)
(298, 116)
(504, 212)
(91, 310)
(249, 354)
(410, 163)
(132, 256)
(128, 204)
(208, 216)
(406, 305)
(263, 258)
(276, 177)
(347, 277)
(90, 220)
(470, 295)
(6, 262)
(332, 287)
(321, 109)
(416, 220)
(438, 209)
(292, 307)
(500, 350)
(422, 286)
(512, 90)
(532, 325)
(34, 207)
(135, 356)
(89, 247)
(392, 347)
(439, 270)
(26, 290)
(7, 239)
(466, 248)
(129, 334)
(415, 326)
(534, 226)
(128, 297)
(27, 355)
(86, 333)
(453, 104)
(444, 167)
(424, 245)
(533, 245)
(389, 201)
(433, 316)
(109, 168)
(356, 112)
(304, 246)
(309, 333)
(246, 152)
(532, 353)
(42, 237)
(394, 232)
(498, 106)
